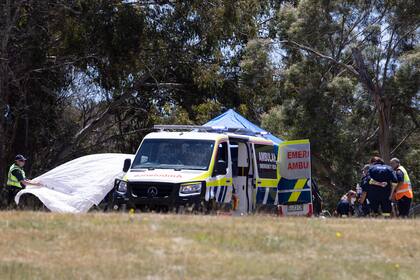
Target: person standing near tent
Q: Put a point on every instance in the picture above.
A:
(16, 179)
(402, 192)
(381, 177)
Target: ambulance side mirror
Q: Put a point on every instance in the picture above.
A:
(220, 168)
(127, 164)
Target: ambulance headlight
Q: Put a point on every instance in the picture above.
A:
(190, 189)
(122, 186)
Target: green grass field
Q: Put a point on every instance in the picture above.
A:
(151, 246)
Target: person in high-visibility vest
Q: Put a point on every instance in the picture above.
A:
(402, 192)
(16, 179)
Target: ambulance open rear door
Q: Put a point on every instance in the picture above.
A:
(294, 187)
(266, 177)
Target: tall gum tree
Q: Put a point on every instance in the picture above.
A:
(362, 39)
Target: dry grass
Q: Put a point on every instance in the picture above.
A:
(150, 246)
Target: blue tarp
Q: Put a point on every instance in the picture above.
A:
(231, 119)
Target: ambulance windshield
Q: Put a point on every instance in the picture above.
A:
(174, 154)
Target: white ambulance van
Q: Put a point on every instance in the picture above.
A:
(202, 169)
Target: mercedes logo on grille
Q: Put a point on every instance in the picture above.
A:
(152, 191)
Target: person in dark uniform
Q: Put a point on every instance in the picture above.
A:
(316, 198)
(364, 185)
(16, 179)
(381, 177)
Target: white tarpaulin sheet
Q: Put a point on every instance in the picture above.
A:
(78, 184)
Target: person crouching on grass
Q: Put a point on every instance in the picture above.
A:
(345, 207)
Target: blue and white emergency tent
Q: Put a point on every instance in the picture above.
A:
(232, 119)
(294, 185)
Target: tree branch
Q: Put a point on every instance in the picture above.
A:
(349, 68)
(99, 120)
(392, 49)
(164, 85)
(388, 56)
(403, 140)
(362, 70)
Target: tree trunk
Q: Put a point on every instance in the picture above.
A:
(2, 132)
(3, 122)
(382, 103)
(384, 115)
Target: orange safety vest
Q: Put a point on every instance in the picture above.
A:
(405, 189)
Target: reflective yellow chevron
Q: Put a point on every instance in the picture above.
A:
(298, 186)
(267, 183)
(222, 182)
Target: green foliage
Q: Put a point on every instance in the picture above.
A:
(256, 85)
(273, 121)
(206, 111)
(62, 64)
(322, 101)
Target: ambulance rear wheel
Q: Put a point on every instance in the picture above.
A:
(199, 208)
(210, 207)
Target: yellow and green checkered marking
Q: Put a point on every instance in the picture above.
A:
(294, 191)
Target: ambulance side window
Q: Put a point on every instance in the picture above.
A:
(222, 153)
(222, 156)
(266, 161)
(234, 157)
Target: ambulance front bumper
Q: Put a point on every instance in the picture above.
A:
(158, 194)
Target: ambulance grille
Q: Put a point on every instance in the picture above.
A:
(147, 190)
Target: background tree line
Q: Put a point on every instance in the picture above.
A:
(80, 77)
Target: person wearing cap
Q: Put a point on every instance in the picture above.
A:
(402, 192)
(380, 184)
(16, 179)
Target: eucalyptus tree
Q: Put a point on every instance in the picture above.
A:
(363, 42)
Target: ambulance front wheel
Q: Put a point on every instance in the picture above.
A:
(120, 207)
